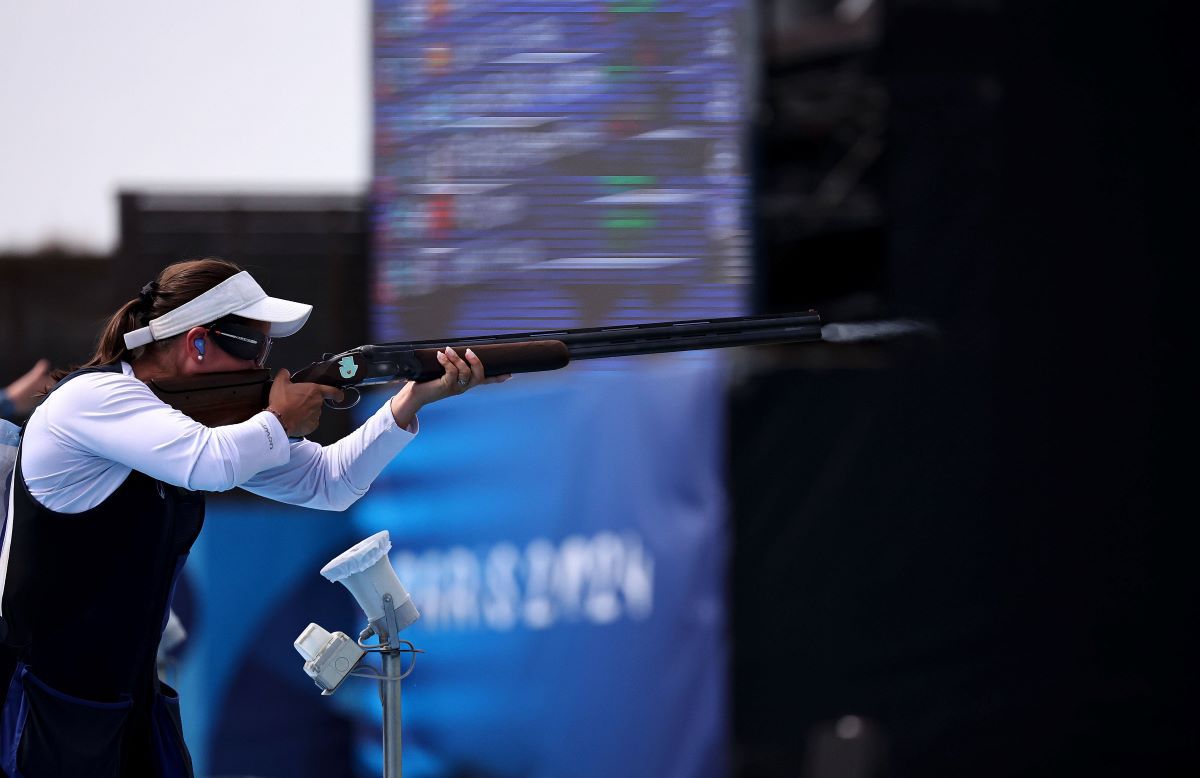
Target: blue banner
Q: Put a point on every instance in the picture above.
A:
(563, 537)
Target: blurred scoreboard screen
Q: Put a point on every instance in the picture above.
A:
(552, 164)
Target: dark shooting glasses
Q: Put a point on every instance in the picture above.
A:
(241, 340)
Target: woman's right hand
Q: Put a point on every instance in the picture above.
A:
(299, 405)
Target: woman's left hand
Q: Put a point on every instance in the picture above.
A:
(460, 376)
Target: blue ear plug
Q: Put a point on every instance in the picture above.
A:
(199, 345)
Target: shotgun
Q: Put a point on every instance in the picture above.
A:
(214, 399)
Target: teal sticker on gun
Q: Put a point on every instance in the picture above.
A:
(347, 367)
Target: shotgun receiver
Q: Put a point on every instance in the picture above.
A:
(214, 399)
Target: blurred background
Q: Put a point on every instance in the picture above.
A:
(957, 553)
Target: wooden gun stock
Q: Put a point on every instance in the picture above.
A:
(216, 399)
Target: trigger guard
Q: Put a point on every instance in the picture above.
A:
(346, 405)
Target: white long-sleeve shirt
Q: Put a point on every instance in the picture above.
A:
(83, 441)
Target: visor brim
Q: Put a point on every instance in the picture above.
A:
(284, 316)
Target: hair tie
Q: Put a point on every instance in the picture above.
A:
(146, 296)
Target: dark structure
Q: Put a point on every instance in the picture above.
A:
(819, 210)
(51, 306)
(975, 549)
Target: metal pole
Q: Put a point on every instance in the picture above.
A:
(390, 692)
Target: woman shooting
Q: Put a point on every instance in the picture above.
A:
(108, 497)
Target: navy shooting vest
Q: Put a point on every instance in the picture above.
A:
(86, 599)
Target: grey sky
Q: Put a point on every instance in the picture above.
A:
(222, 95)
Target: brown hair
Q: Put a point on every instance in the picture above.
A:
(174, 286)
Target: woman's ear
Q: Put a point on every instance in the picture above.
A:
(196, 340)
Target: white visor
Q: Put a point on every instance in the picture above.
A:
(240, 295)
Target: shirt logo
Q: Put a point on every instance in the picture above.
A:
(347, 367)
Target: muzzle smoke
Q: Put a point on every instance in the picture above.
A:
(874, 330)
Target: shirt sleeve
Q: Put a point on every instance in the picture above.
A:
(334, 477)
(118, 418)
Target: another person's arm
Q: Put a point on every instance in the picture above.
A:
(20, 397)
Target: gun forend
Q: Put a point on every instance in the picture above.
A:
(534, 356)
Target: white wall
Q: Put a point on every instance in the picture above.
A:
(222, 95)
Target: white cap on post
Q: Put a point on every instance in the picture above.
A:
(367, 572)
